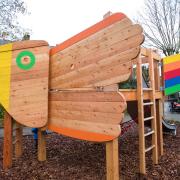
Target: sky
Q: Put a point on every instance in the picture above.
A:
(57, 20)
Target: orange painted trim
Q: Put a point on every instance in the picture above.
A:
(83, 135)
(171, 66)
(92, 30)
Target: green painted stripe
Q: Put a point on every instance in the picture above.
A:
(172, 90)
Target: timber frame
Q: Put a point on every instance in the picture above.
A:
(112, 153)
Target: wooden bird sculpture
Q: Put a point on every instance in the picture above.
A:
(64, 89)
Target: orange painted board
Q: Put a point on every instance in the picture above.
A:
(84, 34)
(171, 66)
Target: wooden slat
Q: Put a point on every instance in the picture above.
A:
(81, 96)
(106, 118)
(112, 160)
(8, 145)
(104, 107)
(25, 45)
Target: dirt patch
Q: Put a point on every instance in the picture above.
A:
(69, 159)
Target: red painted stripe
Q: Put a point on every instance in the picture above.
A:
(92, 30)
(171, 74)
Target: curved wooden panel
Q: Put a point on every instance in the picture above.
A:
(87, 115)
(24, 71)
(102, 57)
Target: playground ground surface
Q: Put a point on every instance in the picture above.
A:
(69, 159)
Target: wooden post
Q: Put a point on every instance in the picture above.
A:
(142, 162)
(112, 160)
(153, 107)
(8, 138)
(18, 140)
(41, 145)
(159, 126)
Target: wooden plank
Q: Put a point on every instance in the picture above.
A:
(7, 146)
(140, 117)
(41, 145)
(106, 118)
(24, 45)
(18, 140)
(86, 96)
(103, 107)
(112, 160)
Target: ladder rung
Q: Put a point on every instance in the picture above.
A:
(148, 103)
(147, 89)
(148, 118)
(151, 147)
(149, 133)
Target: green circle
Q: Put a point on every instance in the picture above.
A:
(25, 66)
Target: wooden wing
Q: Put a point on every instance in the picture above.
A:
(97, 57)
(24, 73)
(87, 115)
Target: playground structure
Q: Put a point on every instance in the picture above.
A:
(74, 91)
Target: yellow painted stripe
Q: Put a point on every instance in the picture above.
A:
(5, 73)
(171, 59)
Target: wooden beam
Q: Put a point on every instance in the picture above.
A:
(18, 140)
(156, 56)
(159, 115)
(112, 160)
(41, 145)
(8, 145)
(132, 94)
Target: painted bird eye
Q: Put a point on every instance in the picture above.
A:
(25, 60)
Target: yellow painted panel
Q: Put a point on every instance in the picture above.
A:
(171, 59)
(5, 74)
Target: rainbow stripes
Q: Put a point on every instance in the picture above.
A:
(172, 74)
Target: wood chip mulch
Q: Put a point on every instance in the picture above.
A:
(70, 159)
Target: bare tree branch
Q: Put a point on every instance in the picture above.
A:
(161, 23)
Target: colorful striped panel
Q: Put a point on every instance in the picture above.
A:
(172, 74)
(172, 82)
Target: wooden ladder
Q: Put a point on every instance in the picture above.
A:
(141, 119)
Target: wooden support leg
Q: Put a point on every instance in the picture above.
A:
(159, 127)
(112, 160)
(41, 145)
(8, 138)
(18, 140)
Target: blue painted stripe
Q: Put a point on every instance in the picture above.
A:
(172, 82)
